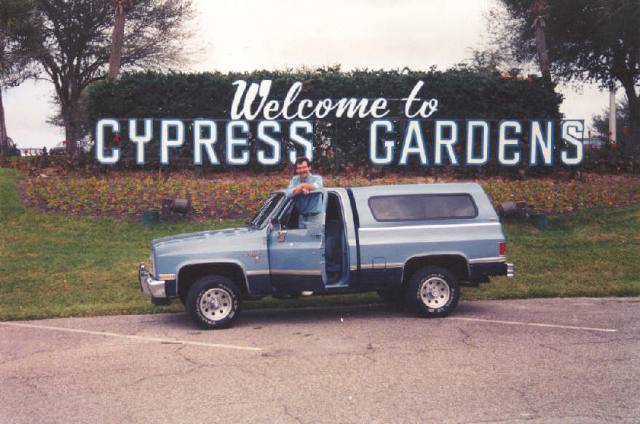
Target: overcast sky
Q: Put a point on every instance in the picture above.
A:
(243, 35)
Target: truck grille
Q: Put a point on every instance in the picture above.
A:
(152, 266)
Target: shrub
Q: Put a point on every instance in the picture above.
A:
(238, 196)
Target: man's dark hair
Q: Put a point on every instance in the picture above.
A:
(303, 159)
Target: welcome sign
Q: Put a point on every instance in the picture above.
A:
(422, 137)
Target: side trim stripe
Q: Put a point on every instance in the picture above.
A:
(388, 266)
(487, 260)
(296, 272)
(284, 272)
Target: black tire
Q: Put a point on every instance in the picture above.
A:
(391, 296)
(207, 297)
(432, 292)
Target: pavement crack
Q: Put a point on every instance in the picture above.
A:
(182, 355)
(289, 414)
(365, 355)
(551, 347)
(370, 351)
(168, 374)
(607, 341)
(251, 372)
(466, 338)
(29, 355)
(524, 396)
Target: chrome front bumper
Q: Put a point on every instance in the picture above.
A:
(150, 286)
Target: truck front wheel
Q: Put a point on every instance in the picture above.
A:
(432, 292)
(213, 301)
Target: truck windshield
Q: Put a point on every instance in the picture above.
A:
(265, 210)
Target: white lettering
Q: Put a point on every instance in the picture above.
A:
(100, 154)
(573, 133)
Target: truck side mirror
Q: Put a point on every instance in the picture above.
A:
(277, 226)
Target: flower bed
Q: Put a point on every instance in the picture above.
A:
(238, 196)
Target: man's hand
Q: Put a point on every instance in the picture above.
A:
(303, 188)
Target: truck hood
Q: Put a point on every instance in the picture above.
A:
(237, 245)
(214, 237)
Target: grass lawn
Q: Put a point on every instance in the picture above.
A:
(55, 265)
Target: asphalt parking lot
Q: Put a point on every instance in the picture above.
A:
(540, 360)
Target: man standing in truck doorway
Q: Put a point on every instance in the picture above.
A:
(305, 189)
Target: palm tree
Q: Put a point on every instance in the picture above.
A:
(540, 9)
(16, 20)
(120, 7)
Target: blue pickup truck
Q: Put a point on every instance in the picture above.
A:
(414, 244)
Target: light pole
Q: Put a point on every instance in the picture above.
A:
(612, 115)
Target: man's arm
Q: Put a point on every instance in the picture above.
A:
(295, 187)
(292, 188)
(315, 185)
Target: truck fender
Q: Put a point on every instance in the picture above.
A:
(244, 284)
(437, 258)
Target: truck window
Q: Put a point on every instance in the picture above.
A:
(265, 210)
(420, 207)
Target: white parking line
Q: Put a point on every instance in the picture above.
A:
(536, 324)
(131, 336)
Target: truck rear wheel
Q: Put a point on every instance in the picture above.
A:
(213, 302)
(432, 292)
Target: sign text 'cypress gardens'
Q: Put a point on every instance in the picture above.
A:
(393, 140)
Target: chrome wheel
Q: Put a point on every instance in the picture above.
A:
(435, 292)
(213, 301)
(216, 304)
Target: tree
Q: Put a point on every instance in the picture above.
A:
(120, 7)
(587, 40)
(539, 11)
(16, 64)
(73, 45)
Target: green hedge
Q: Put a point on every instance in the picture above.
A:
(462, 93)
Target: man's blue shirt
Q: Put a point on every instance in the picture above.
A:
(310, 203)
